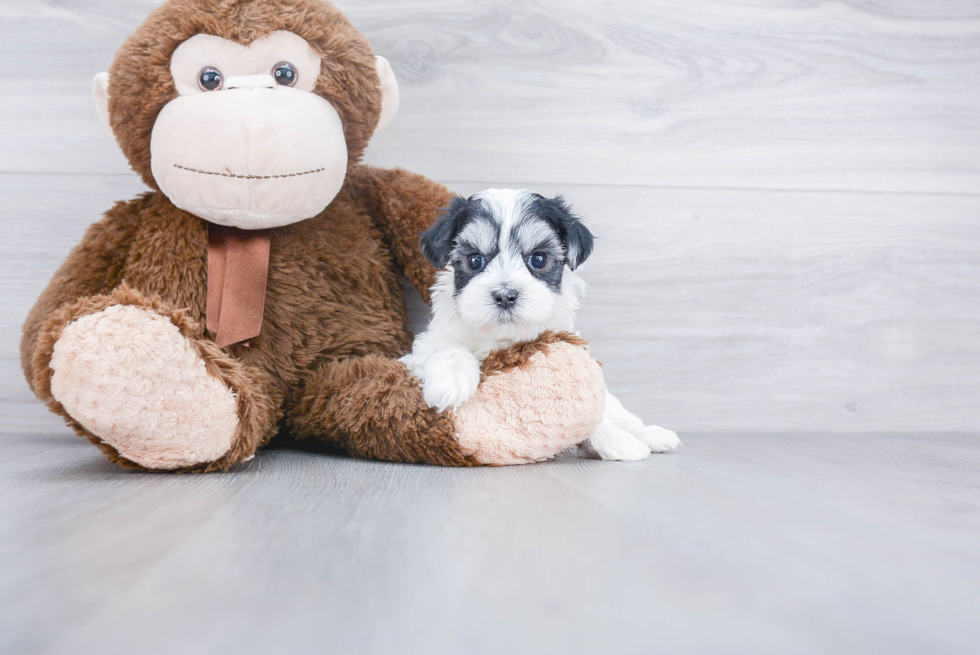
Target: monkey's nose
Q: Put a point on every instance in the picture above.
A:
(250, 82)
(505, 298)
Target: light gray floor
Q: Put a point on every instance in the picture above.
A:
(787, 199)
(783, 543)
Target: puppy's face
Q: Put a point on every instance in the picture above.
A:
(508, 250)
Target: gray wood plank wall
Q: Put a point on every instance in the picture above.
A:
(787, 194)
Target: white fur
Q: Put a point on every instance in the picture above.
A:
(467, 326)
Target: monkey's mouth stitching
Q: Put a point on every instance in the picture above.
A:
(247, 177)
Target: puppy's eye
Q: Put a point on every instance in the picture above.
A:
(285, 73)
(475, 262)
(209, 79)
(537, 260)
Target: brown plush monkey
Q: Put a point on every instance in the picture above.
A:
(256, 290)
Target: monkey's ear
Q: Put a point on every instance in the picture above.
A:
(577, 238)
(100, 89)
(437, 241)
(390, 95)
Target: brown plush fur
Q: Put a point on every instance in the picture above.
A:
(519, 354)
(323, 366)
(392, 404)
(334, 296)
(140, 83)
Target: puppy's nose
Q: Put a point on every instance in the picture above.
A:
(505, 298)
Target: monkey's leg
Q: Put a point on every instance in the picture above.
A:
(535, 400)
(372, 407)
(128, 374)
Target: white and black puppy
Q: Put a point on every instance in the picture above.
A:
(509, 258)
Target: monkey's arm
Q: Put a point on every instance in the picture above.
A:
(403, 204)
(372, 407)
(93, 267)
(535, 400)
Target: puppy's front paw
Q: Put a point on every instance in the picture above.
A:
(452, 386)
(658, 439)
(614, 443)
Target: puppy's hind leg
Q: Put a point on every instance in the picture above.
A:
(657, 439)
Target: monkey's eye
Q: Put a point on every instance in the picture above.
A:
(285, 73)
(537, 260)
(210, 79)
(475, 262)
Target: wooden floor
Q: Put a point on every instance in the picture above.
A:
(787, 200)
(780, 543)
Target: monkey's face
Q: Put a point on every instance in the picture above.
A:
(246, 114)
(247, 143)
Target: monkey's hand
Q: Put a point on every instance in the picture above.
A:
(535, 400)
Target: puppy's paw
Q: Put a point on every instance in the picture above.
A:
(657, 439)
(613, 443)
(451, 386)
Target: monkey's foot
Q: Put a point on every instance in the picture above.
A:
(131, 378)
(534, 409)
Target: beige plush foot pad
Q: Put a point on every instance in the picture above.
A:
(532, 413)
(129, 377)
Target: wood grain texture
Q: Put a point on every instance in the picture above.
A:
(761, 311)
(787, 335)
(712, 310)
(861, 95)
(781, 544)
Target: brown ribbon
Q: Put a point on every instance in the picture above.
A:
(238, 269)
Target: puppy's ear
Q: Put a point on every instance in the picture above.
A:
(437, 241)
(576, 238)
(579, 244)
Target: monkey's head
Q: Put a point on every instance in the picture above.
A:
(246, 113)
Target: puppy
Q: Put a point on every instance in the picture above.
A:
(509, 258)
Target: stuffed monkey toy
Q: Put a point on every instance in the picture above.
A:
(256, 290)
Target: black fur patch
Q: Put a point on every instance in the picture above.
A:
(463, 249)
(550, 274)
(576, 238)
(437, 242)
(440, 243)
(552, 247)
